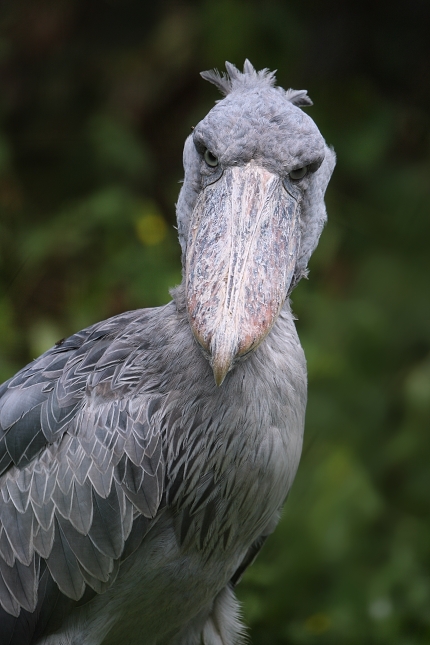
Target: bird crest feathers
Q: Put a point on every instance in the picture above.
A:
(250, 78)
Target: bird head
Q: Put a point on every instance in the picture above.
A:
(250, 212)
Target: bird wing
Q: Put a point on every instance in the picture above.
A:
(80, 462)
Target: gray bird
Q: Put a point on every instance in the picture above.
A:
(145, 459)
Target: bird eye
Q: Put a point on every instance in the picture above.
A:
(298, 173)
(210, 159)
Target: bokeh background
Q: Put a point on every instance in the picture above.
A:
(96, 99)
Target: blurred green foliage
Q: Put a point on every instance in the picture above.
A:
(96, 100)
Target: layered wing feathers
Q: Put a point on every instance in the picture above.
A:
(79, 462)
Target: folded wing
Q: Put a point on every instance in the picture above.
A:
(79, 464)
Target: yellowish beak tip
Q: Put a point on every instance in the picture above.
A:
(220, 372)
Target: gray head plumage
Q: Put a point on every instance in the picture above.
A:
(235, 81)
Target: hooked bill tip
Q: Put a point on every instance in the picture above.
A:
(222, 356)
(220, 372)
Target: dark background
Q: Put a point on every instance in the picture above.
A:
(96, 99)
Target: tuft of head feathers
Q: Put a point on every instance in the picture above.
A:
(236, 80)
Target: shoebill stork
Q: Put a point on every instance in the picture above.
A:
(145, 459)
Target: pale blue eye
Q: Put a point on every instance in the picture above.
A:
(210, 159)
(299, 173)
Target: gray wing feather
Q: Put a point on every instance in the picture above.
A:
(8, 601)
(43, 539)
(81, 510)
(19, 498)
(106, 530)
(21, 582)
(101, 480)
(64, 567)
(19, 530)
(6, 550)
(44, 515)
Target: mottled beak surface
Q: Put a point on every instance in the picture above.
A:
(240, 261)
